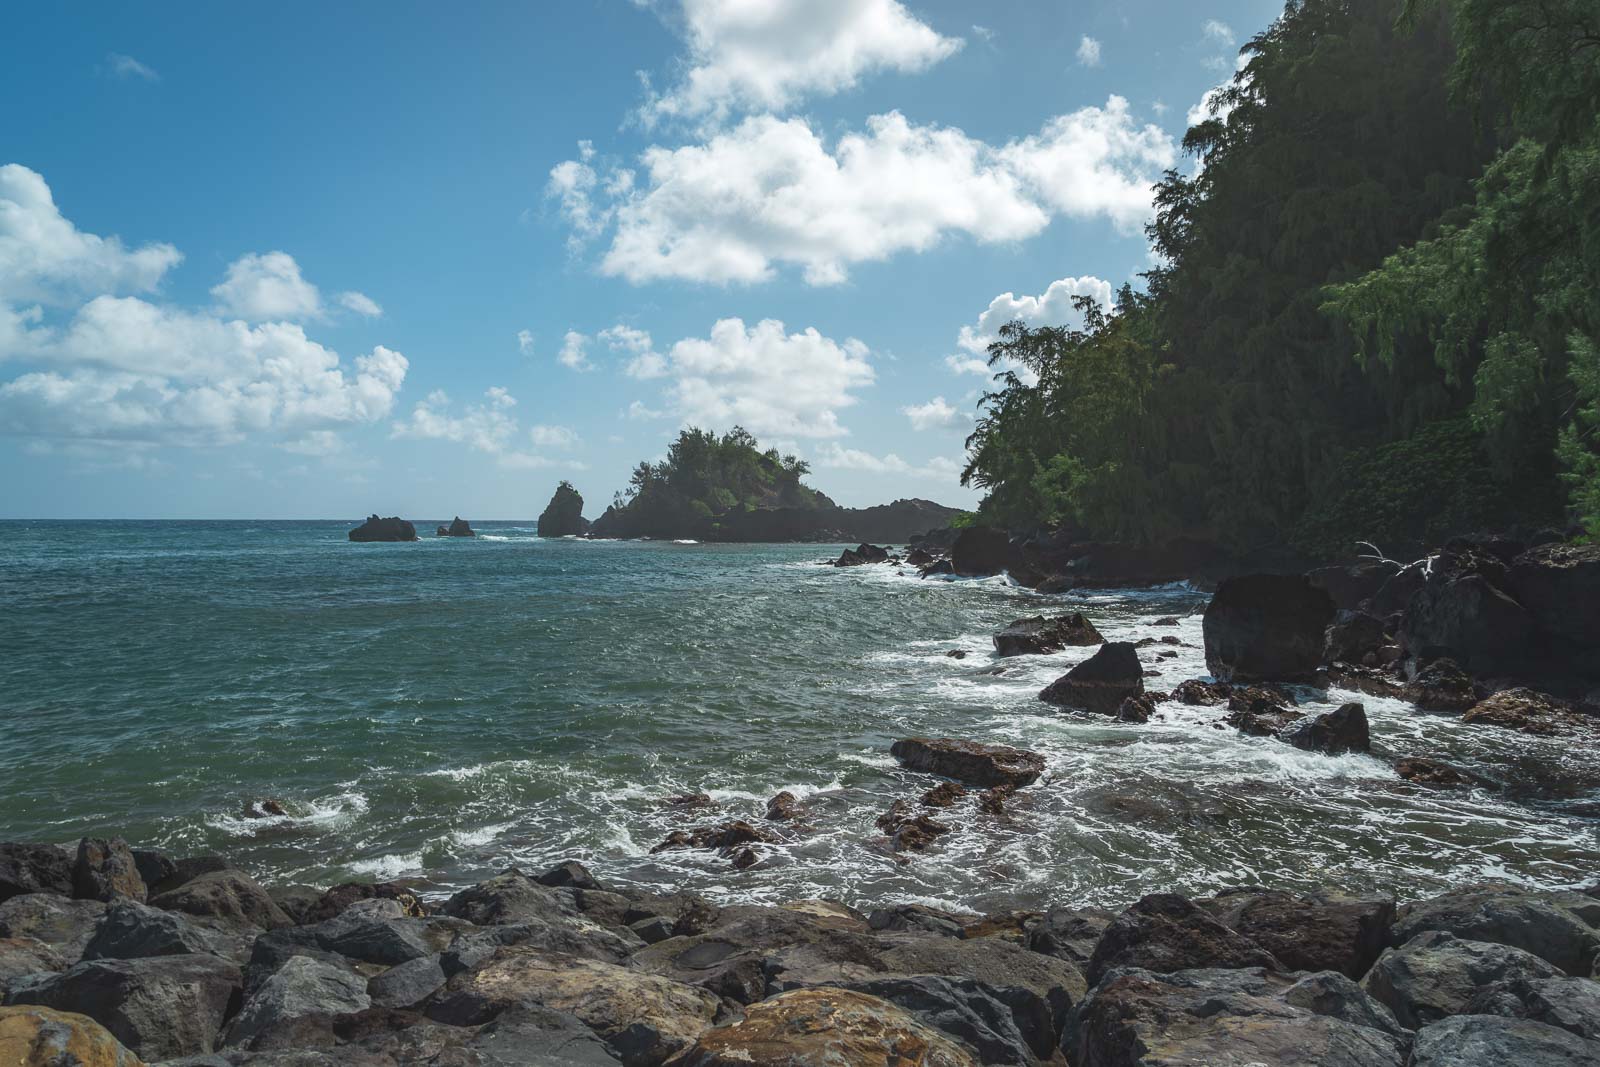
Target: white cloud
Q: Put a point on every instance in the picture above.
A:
(360, 303)
(773, 383)
(1211, 105)
(968, 365)
(640, 410)
(832, 455)
(489, 427)
(646, 362)
(574, 351)
(936, 414)
(768, 55)
(1218, 33)
(770, 192)
(553, 437)
(128, 67)
(1053, 307)
(44, 257)
(262, 287)
(120, 368)
(525, 342)
(1089, 51)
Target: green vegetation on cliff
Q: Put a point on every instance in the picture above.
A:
(1378, 310)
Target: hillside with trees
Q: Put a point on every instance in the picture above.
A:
(1377, 306)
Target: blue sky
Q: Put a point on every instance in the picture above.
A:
(307, 260)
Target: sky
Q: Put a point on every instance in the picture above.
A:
(309, 260)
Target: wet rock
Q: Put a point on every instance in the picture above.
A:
(33, 1036)
(943, 795)
(1259, 713)
(1100, 683)
(1573, 1004)
(392, 528)
(1037, 635)
(130, 930)
(826, 1026)
(920, 557)
(1069, 933)
(1491, 1041)
(1435, 975)
(1505, 915)
(1334, 733)
(938, 566)
(458, 527)
(65, 925)
(1368, 680)
(1441, 686)
(957, 653)
(1351, 635)
(571, 873)
(745, 858)
(689, 801)
(160, 1007)
(909, 832)
(30, 868)
(969, 762)
(1165, 932)
(301, 987)
(1266, 627)
(645, 1018)
(509, 897)
(1426, 771)
(228, 894)
(1531, 712)
(725, 837)
(785, 807)
(106, 870)
(1197, 693)
(335, 901)
(993, 801)
(1321, 931)
(1137, 708)
(268, 808)
(863, 553)
(1136, 1018)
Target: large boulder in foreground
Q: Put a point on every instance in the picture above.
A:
(1037, 635)
(1560, 587)
(1100, 683)
(563, 516)
(1506, 915)
(969, 761)
(1321, 931)
(161, 1007)
(1165, 932)
(1573, 1004)
(106, 870)
(1266, 627)
(1490, 1041)
(826, 1026)
(393, 528)
(30, 868)
(1435, 975)
(34, 1036)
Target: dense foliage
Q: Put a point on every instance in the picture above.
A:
(1377, 306)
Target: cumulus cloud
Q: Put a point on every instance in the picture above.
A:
(553, 437)
(261, 287)
(360, 303)
(128, 67)
(645, 361)
(1053, 307)
(1089, 51)
(774, 383)
(120, 368)
(771, 192)
(489, 426)
(936, 414)
(769, 55)
(574, 352)
(834, 456)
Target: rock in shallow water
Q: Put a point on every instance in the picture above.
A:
(1334, 733)
(393, 528)
(1100, 683)
(1266, 627)
(1038, 635)
(970, 762)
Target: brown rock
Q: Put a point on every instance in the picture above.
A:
(106, 870)
(785, 807)
(1425, 771)
(1529, 711)
(969, 761)
(32, 1036)
(944, 794)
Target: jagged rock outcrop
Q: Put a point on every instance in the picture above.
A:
(1038, 635)
(563, 516)
(1100, 683)
(393, 528)
(458, 527)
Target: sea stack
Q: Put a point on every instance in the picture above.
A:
(391, 529)
(458, 527)
(563, 516)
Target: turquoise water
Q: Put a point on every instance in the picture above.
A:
(437, 710)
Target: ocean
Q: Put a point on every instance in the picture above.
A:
(438, 711)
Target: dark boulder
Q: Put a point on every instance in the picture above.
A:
(1038, 635)
(1197, 693)
(1441, 686)
(1531, 712)
(862, 553)
(154, 868)
(106, 870)
(571, 873)
(1321, 931)
(30, 868)
(1334, 733)
(1138, 708)
(183, 871)
(458, 527)
(785, 807)
(1260, 712)
(1352, 585)
(1069, 933)
(1426, 771)
(334, 901)
(1435, 975)
(1506, 915)
(131, 930)
(228, 894)
(161, 1007)
(1100, 683)
(1492, 1041)
(724, 837)
(970, 762)
(1465, 612)
(393, 528)
(563, 516)
(937, 567)
(908, 831)
(1165, 932)
(980, 551)
(1266, 627)
(1573, 1004)
(1002, 1026)
(302, 987)
(509, 897)
(1560, 585)
(406, 984)
(1351, 636)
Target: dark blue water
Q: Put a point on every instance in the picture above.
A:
(437, 710)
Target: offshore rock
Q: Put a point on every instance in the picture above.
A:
(458, 527)
(1165, 932)
(862, 553)
(30, 868)
(1100, 683)
(825, 1027)
(1441, 686)
(563, 516)
(393, 528)
(1334, 733)
(1038, 635)
(969, 762)
(33, 1036)
(1426, 771)
(1266, 627)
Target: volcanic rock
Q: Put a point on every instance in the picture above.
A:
(1037, 635)
(1335, 733)
(1266, 627)
(1100, 683)
(30, 868)
(1165, 932)
(969, 762)
(393, 528)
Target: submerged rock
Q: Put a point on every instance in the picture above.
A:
(785, 807)
(1266, 627)
(1037, 635)
(909, 832)
(970, 762)
(1100, 683)
(393, 528)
